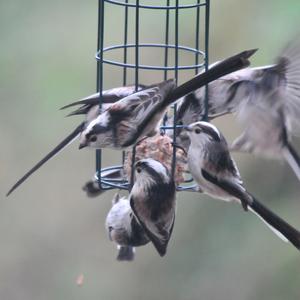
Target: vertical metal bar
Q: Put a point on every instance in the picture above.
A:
(125, 57)
(197, 35)
(137, 29)
(166, 56)
(125, 43)
(100, 76)
(207, 8)
(176, 77)
(167, 40)
(100, 40)
(176, 39)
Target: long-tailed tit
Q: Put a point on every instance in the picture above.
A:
(152, 200)
(191, 108)
(124, 229)
(89, 106)
(267, 102)
(216, 173)
(270, 109)
(128, 120)
(158, 147)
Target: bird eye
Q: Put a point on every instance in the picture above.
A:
(139, 169)
(197, 130)
(93, 138)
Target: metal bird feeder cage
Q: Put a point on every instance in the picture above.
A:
(180, 21)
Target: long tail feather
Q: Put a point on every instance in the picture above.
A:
(69, 139)
(282, 228)
(279, 234)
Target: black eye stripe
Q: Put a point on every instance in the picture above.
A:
(149, 170)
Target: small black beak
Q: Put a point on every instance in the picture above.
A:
(82, 145)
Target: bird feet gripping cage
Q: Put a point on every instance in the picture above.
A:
(173, 24)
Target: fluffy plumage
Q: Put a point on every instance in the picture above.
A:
(152, 200)
(216, 173)
(128, 120)
(124, 229)
(88, 106)
(267, 102)
(270, 109)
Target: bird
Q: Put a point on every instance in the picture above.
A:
(119, 126)
(194, 106)
(270, 109)
(132, 118)
(89, 106)
(124, 229)
(265, 100)
(217, 175)
(119, 119)
(153, 201)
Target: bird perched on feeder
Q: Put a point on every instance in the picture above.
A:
(89, 106)
(130, 119)
(152, 200)
(133, 117)
(216, 173)
(124, 229)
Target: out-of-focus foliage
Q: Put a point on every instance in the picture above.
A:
(50, 232)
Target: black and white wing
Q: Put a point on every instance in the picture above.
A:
(158, 230)
(288, 65)
(223, 96)
(139, 114)
(108, 97)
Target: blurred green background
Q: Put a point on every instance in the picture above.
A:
(50, 232)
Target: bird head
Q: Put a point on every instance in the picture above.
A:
(91, 135)
(200, 132)
(150, 169)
